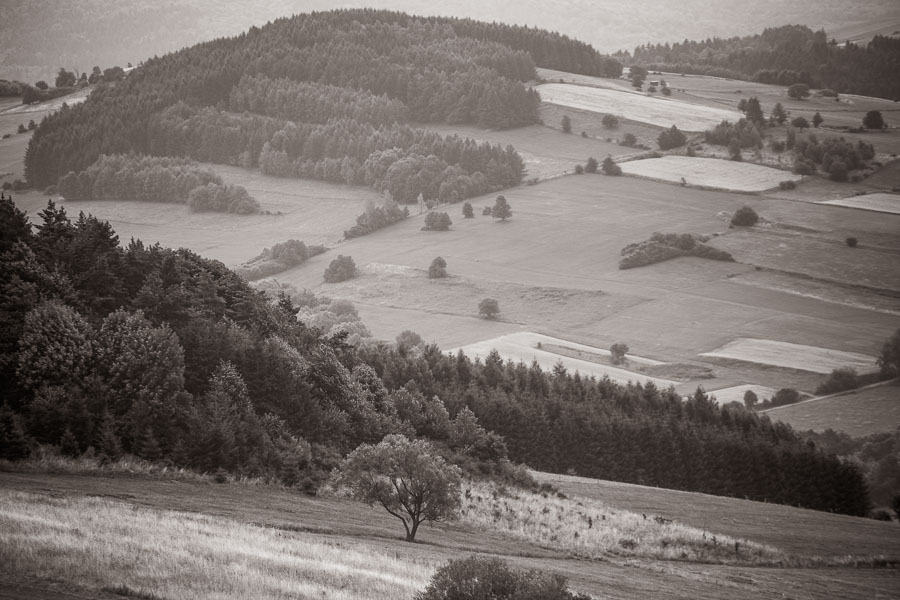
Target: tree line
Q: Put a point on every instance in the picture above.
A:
(167, 355)
(156, 179)
(785, 56)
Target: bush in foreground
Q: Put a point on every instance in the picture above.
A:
(482, 578)
(745, 217)
(341, 268)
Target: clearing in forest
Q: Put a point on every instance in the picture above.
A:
(793, 356)
(736, 393)
(663, 112)
(709, 173)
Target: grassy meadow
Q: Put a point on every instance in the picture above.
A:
(155, 537)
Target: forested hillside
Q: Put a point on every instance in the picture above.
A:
(170, 356)
(327, 96)
(785, 56)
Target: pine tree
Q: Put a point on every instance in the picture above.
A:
(817, 120)
(566, 124)
(779, 115)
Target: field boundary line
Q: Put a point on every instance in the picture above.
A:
(835, 395)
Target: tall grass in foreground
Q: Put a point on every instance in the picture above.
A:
(98, 544)
(588, 528)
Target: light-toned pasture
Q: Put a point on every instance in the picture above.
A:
(874, 409)
(709, 172)
(660, 111)
(521, 347)
(793, 356)
(98, 543)
(546, 152)
(313, 212)
(736, 393)
(889, 203)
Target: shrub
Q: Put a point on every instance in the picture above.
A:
(488, 308)
(852, 242)
(777, 146)
(838, 171)
(804, 166)
(840, 380)
(662, 247)
(610, 121)
(788, 184)
(21, 128)
(437, 222)
(745, 217)
(566, 124)
(671, 138)
(628, 140)
(341, 268)
(467, 211)
(610, 167)
(483, 578)
(438, 268)
(579, 170)
(617, 352)
(750, 399)
(487, 211)
(591, 166)
(881, 515)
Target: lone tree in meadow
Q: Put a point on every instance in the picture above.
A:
(745, 217)
(591, 166)
(501, 209)
(610, 167)
(488, 308)
(798, 91)
(437, 221)
(618, 352)
(438, 268)
(610, 121)
(407, 478)
(341, 268)
(817, 119)
(873, 120)
(566, 124)
(467, 211)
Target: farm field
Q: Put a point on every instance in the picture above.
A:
(709, 173)
(314, 212)
(521, 347)
(209, 515)
(736, 393)
(663, 112)
(858, 413)
(889, 203)
(793, 356)
(671, 311)
(547, 152)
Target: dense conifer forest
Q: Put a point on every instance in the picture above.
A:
(326, 96)
(170, 356)
(785, 56)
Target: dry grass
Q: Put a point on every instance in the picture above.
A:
(99, 544)
(589, 528)
(47, 459)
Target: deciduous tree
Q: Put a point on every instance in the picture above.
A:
(406, 478)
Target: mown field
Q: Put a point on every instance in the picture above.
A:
(709, 173)
(858, 413)
(205, 540)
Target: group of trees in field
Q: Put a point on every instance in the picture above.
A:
(364, 68)
(835, 155)
(666, 246)
(376, 217)
(165, 355)
(788, 55)
(156, 179)
(744, 134)
(279, 257)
